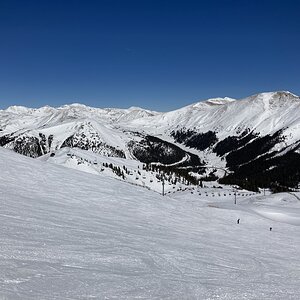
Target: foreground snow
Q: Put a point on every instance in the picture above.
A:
(66, 234)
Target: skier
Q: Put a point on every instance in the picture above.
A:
(238, 221)
(271, 228)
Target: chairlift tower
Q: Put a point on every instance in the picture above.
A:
(234, 195)
(163, 183)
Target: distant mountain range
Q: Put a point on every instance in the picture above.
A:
(253, 142)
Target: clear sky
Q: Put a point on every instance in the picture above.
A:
(159, 55)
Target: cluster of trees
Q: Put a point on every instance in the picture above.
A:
(174, 174)
(245, 183)
(254, 166)
(252, 150)
(152, 149)
(28, 146)
(232, 143)
(155, 150)
(5, 139)
(279, 173)
(182, 135)
(96, 145)
(116, 169)
(193, 139)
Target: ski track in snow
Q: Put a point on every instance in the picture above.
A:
(66, 234)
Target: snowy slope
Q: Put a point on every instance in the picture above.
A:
(265, 112)
(70, 235)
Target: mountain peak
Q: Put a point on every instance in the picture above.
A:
(213, 102)
(284, 94)
(17, 109)
(74, 105)
(275, 95)
(220, 101)
(135, 108)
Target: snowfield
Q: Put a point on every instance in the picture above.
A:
(67, 234)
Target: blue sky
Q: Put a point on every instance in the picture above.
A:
(159, 55)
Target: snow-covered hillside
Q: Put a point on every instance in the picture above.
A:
(265, 113)
(66, 234)
(253, 142)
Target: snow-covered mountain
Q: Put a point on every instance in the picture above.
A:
(255, 141)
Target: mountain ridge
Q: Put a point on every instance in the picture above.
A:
(263, 129)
